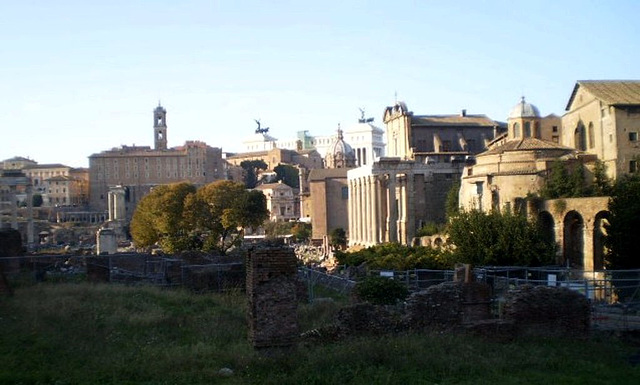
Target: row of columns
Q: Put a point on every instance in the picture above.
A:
(380, 209)
(116, 204)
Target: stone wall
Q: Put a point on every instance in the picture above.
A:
(548, 311)
(271, 296)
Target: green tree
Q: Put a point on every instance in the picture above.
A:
(251, 170)
(338, 238)
(159, 218)
(301, 231)
(624, 222)
(288, 174)
(497, 238)
(219, 212)
(452, 200)
(36, 200)
(601, 182)
(560, 183)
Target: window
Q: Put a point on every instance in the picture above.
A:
(633, 166)
(591, 135)
(446, 145)
(345, 192)
(633, 136)
(527, 129)
(554, 129)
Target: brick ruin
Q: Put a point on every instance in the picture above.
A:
(271, 296)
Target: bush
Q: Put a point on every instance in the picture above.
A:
(381, 290)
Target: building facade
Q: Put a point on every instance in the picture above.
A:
(392, 198)
(137, 169)
(603, 118)
(282, 202)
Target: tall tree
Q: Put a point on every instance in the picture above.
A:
(159, 218)
(288, 174)
(219, 212)
(601, 182)
(251, 170)
(624, 222)
(497, 238)
(452, 200)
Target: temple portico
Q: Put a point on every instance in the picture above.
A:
(387, 200)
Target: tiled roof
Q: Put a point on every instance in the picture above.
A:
(52, 165)
(526, 144)
(453, 120)
(613, 92)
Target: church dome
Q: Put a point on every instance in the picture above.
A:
(340, 154)
(524, 110)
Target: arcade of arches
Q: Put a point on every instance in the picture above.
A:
(577, 226)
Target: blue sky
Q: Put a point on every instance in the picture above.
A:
(80, 77)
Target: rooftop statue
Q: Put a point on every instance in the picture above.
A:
(261, 130)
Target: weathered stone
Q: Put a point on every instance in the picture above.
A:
(272, 299)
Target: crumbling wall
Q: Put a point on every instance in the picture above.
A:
(271, 296)
(448, 305)
(548, 311)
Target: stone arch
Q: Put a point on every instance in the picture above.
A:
(547, 226)
(573, 247)
(599, 232)
(580, 137)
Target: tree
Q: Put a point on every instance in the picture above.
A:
(560, 183)
(452, 200)
(288, 174)
(219, 212)
(601, 182)
(159, 218)
(251, 169)
(36, 200)
(497, 238)
(301, 231)
(624, 222)
(338, 238)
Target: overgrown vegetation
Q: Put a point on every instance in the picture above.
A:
(624, 222)
(381, 290)
(499, 238)
(99, 334)
(251, 170)
(394, 256)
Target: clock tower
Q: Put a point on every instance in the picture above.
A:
(160, 128)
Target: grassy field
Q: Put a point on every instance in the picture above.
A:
(101, 334)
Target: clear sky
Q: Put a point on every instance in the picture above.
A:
(80, 77)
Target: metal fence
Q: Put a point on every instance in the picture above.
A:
(129, 269)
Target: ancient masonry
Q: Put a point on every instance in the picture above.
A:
(271, 296)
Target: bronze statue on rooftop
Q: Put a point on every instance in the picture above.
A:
(261, 130)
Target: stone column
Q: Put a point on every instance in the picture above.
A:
(110, 207)
(402, 212)
(392, 209)
(410, 216)
(375, 208)
(350, 215)
(587, 244)
(367, 211)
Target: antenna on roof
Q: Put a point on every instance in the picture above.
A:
(395, 96)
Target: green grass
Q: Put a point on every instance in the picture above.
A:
(109, 334)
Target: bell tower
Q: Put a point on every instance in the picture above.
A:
(160, 128)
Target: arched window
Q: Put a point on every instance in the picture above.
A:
(580, 138)
(527, 129)
(536, 130)
(591, 135)
(516, 130)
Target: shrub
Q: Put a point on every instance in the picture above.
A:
(381, 290)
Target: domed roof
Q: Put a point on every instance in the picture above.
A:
(524, 110)
(340, 154)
